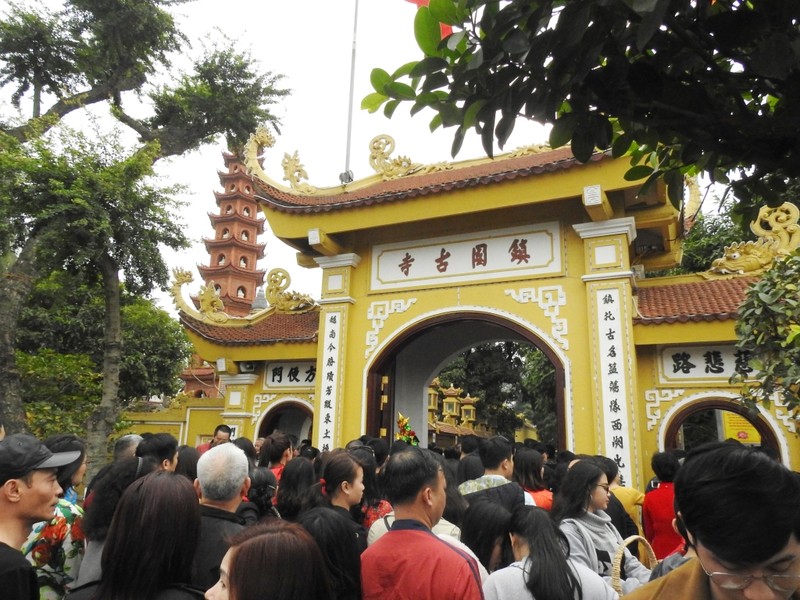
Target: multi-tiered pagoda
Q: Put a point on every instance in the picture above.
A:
(234, 250)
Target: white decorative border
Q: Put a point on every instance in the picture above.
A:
(549, 298)
(378, 312)
(715, 395)
(784, 417)
(655, 397)
(261, 399)
(258, 401)
(330, 376)
(614, 378)
(563, 358)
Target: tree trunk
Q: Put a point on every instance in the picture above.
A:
(15, 286)
(101, 423)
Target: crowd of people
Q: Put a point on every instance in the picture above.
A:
(276, 519)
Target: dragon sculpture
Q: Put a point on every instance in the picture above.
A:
(211, 306)
(779, 235)
(278, 282)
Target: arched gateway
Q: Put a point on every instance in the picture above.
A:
(402, 368)
(419, 262)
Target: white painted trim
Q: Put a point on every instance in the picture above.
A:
(337, 300)
(258, 418)
(605, 276)
(241, 379)
(711, 395)
(551, 343)
(340, 260)
(626, 225)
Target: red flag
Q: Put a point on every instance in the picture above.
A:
(446, 29)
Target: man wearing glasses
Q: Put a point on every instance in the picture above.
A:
(741, 513)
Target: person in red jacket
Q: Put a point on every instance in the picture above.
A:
(658, 510)
(410, 561)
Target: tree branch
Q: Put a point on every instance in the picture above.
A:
(65, 106)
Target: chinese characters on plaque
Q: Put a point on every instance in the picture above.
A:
(685, 363)
(613, 380)
(290, 375)
(329, 381)
(512, 252)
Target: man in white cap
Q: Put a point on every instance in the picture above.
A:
(29, 492)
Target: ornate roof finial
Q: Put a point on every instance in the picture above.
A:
(779, 235)
(278, 281)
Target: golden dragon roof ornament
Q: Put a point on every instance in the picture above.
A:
(212, 309)
(779, 235)
(382, 146)
(278, 282)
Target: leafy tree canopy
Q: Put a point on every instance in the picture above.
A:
(681, 86)
(85, 199)
(768, 328)
(93, 51)
(492, 373)
(64, 315)
(539, 382)
(60, 391)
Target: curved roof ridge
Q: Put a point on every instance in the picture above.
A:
(470, 174)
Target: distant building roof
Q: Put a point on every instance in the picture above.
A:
(273, 328)
(712, 300)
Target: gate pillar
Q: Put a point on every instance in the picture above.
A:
(336, 304)
(609, 298)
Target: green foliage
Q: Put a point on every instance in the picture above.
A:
(93, 51)
(679, 86)
(539, 381)
(60, 391)
(88, 200)
(64, 314)
(122, 39)
(767, 327)
(491, 372)
(36, 53)
(155, 351)
(225, 93)
(707, 239)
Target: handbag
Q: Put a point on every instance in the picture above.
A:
(616, 564)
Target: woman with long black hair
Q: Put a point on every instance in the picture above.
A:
(541, 568)
(151, 543)
(579, 509)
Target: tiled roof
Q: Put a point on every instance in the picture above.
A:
(274, 328)
(413, 186)
(712, 300)
(447, 428)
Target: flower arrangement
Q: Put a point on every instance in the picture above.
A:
(404, 431)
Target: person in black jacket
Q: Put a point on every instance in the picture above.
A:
(495, 485)
(222, 481)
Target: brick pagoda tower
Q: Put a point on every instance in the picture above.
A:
(234, 250)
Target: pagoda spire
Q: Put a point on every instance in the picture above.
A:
(234, 250)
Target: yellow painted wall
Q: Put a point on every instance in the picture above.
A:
(367, 320)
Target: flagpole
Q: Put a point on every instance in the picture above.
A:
(347, 176)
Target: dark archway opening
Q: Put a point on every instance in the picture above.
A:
(400, 375)
(290, 418)
(718, 419)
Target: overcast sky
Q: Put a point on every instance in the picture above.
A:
(310, 42)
